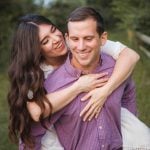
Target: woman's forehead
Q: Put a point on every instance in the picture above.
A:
(44, 30)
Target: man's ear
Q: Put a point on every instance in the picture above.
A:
(103, 38)
(66, 38)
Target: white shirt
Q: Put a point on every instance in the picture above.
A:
(113, 48)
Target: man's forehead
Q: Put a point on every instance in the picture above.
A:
(82, 27)
(85, 22)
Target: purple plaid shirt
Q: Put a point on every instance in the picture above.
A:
(103, 133)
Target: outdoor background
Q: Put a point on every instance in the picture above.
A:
(123, 18)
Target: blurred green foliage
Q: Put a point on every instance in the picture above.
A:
(10, 11)
(128, 14)
(132, 14)
(123, 14)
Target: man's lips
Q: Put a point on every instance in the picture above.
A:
(84, 54)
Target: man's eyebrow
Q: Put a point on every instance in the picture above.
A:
(89, 36)
(73, 36)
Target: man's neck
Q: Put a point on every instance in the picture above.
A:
(87, 69)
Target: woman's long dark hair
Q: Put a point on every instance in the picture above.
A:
(25, 74)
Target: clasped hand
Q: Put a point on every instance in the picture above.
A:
(96, 99)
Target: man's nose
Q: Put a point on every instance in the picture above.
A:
(81, 45)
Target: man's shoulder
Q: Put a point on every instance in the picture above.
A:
(107, 61)
(58, 79)
(107, 57)
(57, 72)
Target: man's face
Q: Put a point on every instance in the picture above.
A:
(84, 42)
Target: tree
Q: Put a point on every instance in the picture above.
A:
(58, 11)
(105, 8)
(132, 14)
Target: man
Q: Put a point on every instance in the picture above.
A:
(85, 35)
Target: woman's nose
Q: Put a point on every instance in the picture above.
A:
(55, 38)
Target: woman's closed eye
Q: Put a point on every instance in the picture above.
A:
(45, 42)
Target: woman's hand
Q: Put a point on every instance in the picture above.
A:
(89, 82)
(96, 102)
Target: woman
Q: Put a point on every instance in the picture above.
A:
(28, 56)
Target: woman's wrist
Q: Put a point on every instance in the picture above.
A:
(109, 88)
(77, 88)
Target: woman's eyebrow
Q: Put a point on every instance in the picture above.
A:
(53, 28)
(45, 36)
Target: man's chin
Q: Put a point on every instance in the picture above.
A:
(84, 56)
(84, 64)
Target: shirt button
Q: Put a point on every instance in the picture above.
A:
(100, 127)
(103, 146)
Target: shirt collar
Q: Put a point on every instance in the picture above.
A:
(71, 69)
(103, 64)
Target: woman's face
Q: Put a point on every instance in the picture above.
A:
(52, 41)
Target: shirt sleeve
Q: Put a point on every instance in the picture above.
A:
(113, 48)
(129, 97)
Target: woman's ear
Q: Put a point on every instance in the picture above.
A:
(103, 38)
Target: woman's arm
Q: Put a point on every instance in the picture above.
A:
(126, 60)
(124, 66)
(63, 97)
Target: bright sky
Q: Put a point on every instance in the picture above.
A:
(45, 1)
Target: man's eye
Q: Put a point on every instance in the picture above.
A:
(74, 39)
(89, 39)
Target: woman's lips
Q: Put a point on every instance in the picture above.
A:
(60, 46)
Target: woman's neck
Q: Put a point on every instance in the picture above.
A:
(56, 61)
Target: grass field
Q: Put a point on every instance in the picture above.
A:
(141, 76)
